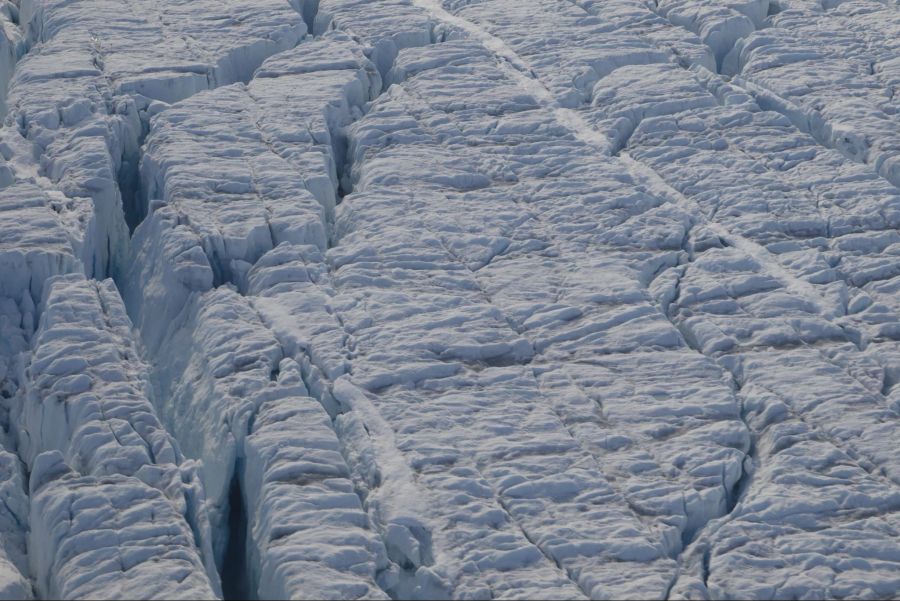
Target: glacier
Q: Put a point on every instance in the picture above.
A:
(438, 299)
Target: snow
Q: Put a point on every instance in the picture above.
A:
(811, 508)
(449, 299)
(10, 48)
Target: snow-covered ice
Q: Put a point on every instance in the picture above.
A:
(449, 299)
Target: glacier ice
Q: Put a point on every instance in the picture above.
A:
(449, 299)
(91, 439)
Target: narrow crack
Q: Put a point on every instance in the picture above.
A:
(235, 581)
(308, 9)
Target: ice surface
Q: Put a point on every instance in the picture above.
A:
(14, 583)
(833, 71)
(239, 404)
(97, 70)
(100, 460)
(40, 236)
(104, 537)
(85, 367)
(449, 299)
(809, 509)
(310, 535)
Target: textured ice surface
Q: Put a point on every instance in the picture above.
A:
(309, 534)
(107, 537)
(96, 71)
(106, 487)
(40, 236)
(833, 70)
(14, 523)
(449, 299)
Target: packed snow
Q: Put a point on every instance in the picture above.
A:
(432, 299)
